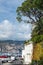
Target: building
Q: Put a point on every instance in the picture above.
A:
(27, 53)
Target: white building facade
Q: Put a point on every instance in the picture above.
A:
(27, 53)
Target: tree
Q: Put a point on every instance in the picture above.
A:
(30, 9)
(37, 32)
(33, 9)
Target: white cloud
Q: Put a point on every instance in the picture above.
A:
(18, 31)
(8, 30)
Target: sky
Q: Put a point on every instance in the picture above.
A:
(10, 28)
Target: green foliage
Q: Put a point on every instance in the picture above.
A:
(37, 62)
(26, 42)
(37, 32)
(39, 4)
(34, 8)
(19, 19)
(37, 38)
(40, 62)
(30, 7)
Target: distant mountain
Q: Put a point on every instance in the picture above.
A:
(11, 42)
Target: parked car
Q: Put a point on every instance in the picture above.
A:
(12, 58)
(4, 58)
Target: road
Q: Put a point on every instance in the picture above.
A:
(13, 63)
(6, 63)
